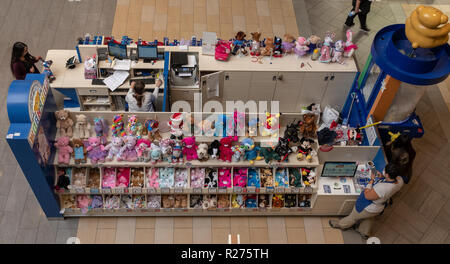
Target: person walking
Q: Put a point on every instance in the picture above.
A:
(372, 201)
(360, 8)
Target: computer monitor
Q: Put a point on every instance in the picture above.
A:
(339, 169)
(117, 50)
(148, 52)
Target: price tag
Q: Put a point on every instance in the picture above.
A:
(144, 190)
(137, 190)
(212, 190)
(308, 189)
(279, 190)
(151, 209)
(269, 190)
(179, 209)
(237, 189)
(295, 190)
(151, 190)
(178, 190)
(197, 190)
(167, 209)
(165, 190)
(188, 164)
(251, 189)
(222, 190)
(106, 190)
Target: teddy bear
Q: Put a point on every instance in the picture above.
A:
(190, 149)
(181, 176)
(152, 178)
(262, 201)
(277, 201)
(166, 177)
(240, 177)
(295, 177)
(256, 44)
(427, 27)
(94, 178)
(308, 126)
(79, 178)
(202, 152)
(224, 178)
(312, 42)
(180, 201)
(142, 149)
(338, 52)
(137, 177)
(96, 151)
(177, 153)
(69, 201)
(64, 150)
(64, 123)
(223, 201)
(128, 151)
(113, 148)
(123, 177)
(301, 47)
(214, 149)
(117, 127)
(154, 201)
(82, 127)
(239, 43)
(266, 177)
(155, 153)
(225, 149)
(109, 178)
(168, 201)
(79, 151)
(166, 149)
(288, 43)
(268, 49)
(253, 178)
(196, 201)
(210, 178)
(238, 152)
(197, 177)
(134, 127)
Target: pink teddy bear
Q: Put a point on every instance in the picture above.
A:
(123, 177)
(197, 177)
(64, 150)
(96, 151)
(240, 177)
(142, 149)
(190, 149)
(109, 178)
(224, 177)
(153, 178)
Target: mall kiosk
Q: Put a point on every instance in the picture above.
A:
(333, 191)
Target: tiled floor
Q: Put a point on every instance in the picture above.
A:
(421, 212)
(176, 19)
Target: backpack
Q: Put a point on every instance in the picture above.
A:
(222, 51)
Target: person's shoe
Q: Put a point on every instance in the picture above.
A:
(334, 224)
(349, 25)
(365, 29)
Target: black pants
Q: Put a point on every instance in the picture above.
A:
(365, 9)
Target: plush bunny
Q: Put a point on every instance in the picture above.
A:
(96, 151)
(82, 127)
(190, 149)
(349, 47)
(64, 150)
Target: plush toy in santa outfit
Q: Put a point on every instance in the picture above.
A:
(176, 126)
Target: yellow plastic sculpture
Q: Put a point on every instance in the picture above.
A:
(427, 27)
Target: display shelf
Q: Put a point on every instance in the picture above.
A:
(141, 65)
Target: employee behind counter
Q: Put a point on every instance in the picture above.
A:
(139, 100)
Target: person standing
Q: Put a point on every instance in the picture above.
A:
(139, 100)
(360, 8)
(372, 200)
(401, 152)
(22, 62)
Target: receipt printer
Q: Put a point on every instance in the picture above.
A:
(184, 70)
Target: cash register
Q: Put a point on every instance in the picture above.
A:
(184, 70)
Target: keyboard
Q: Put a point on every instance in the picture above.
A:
(98, 82)
(145, 80)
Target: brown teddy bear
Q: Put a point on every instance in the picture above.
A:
(239, 43)
(137, 178)
(64, 123)
(223, 201)
(180, 201)
(427, 27)
(308, 126)
(94, 178)
(268, 49)
(79, 151)
(266, 178)
(168, 201)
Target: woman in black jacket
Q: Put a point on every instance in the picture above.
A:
(23, 62)
(360, 8)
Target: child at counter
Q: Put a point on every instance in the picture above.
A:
(139, 100)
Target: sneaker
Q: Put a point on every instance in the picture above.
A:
(365, 29)
(347, 25)
(334, 224)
